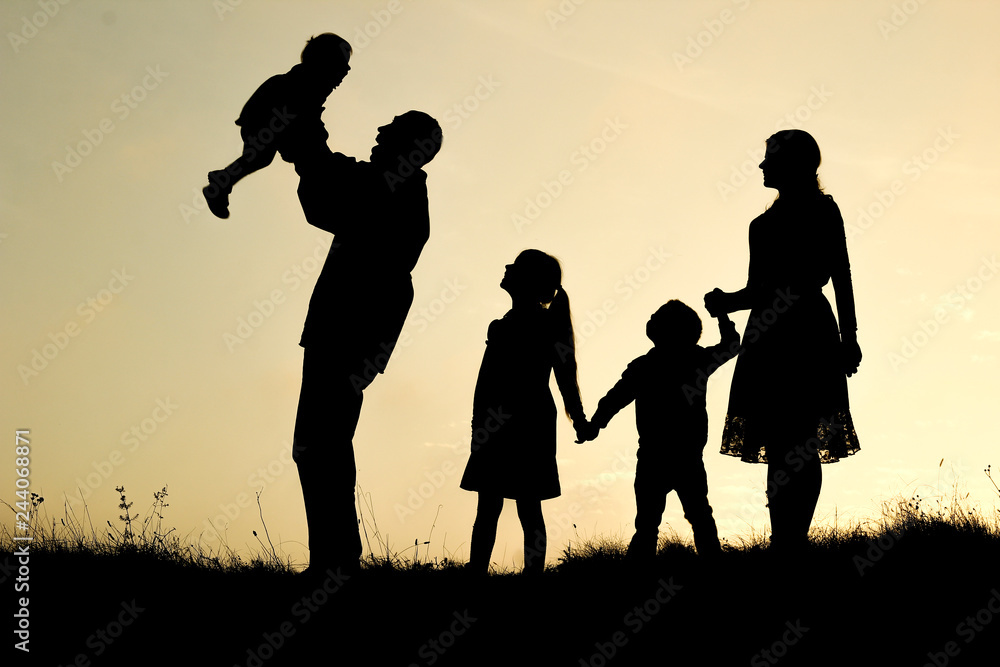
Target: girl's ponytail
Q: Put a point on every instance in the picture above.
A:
(541, 283)
(563, 319)
(565, 340)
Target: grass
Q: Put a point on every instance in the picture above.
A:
(905, 588)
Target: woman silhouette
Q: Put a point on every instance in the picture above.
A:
(514, 416)
(788, 406)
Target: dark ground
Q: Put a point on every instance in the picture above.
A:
(915, 599)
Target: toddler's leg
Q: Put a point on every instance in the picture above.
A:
(484, 532)
(535, 538)
(650, 500)
(222, 182)
(693, 494)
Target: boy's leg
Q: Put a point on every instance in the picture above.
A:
(484, 532)
(650, 499)
(692, 489)
(535, 538)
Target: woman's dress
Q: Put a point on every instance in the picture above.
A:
(789, 368)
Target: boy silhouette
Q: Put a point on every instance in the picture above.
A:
(668, 386)
(284, 116)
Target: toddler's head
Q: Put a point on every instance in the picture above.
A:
(330, 54)
(674, 323)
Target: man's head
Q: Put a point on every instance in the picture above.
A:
(406, 144)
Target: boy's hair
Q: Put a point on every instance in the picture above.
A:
(326, 47)
(674, 321)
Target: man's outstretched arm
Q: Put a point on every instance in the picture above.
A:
(323, 185)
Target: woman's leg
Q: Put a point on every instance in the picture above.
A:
(535, 539)
(808, 480)
(794, 478)
(484, 532)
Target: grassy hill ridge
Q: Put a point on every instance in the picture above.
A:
(916, 588)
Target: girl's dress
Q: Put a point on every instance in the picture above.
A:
(789, 368)
(514, 415)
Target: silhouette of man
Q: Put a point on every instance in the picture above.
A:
(378, 213)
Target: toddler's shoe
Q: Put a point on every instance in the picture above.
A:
(216, 196)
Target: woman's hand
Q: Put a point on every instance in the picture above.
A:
(850, 354)
(714, 302)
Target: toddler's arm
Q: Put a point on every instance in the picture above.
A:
(618, 397)
(729, 343)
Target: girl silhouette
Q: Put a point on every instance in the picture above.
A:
(788, 406)
(514, 416)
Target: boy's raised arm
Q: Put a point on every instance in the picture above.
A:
(729, 343)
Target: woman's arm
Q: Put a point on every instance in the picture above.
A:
(719, 303)
(843, 287)
(840, 275)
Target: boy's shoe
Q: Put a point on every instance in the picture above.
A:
(217, 198)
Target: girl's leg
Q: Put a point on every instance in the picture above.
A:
(484, 532)
(535, 539)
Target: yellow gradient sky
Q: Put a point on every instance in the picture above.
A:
(148, 344)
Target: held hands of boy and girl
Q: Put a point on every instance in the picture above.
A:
(586, 431)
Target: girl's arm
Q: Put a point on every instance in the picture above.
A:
(558, 331)
(565, 370)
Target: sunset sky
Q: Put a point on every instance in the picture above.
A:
(147, 343)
